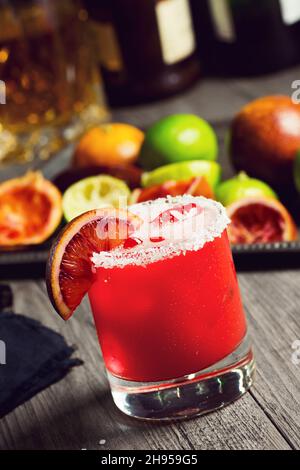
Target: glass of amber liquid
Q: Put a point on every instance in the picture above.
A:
(50, 90)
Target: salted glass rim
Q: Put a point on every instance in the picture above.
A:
(213, 223)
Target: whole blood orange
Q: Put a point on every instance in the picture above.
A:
(30, 210)
(265, 137)
(260, 220)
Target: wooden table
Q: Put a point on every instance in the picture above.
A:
(78, 412)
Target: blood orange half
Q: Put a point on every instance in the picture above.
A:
(30, 210)
(260, 220)
(197, 186)
(69, 269)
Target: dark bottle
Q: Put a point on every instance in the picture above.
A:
(147, 48)
(247, 37)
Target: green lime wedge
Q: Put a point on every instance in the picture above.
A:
(183, 171)
(94, 192)
(240, 187)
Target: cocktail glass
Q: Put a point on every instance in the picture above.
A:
(169, 315)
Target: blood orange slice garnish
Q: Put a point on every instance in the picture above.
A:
(260, 220)
(69, 270)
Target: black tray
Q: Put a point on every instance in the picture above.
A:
(31, 262)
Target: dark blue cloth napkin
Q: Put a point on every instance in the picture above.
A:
(35, 357)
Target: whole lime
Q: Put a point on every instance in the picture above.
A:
(177, 138)
(240, 187)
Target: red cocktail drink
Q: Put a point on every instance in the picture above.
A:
(170, 318)
(168, 312)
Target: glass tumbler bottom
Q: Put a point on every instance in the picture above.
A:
(192, 395)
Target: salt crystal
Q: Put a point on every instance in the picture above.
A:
(190, 233)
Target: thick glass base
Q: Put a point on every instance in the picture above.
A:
(191, 395)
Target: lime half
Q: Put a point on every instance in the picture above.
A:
(94, 192)
(183, 171)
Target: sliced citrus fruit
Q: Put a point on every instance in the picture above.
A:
(94, 192)
(69, 269)
(183, 171)
(172, 188)
(240, 187)
(260, 220)
(194, 186)
(30, 210)
(200, 187)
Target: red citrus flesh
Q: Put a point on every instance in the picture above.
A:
(30, 210)
(69, 269)
(197, 186)
(260, 220)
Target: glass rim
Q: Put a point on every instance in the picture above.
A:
(194, 232)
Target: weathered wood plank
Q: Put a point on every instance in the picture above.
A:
(78, 412)
(273, 84)
(272, 302)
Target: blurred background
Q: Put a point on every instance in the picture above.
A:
(82, 84)
(62, 62)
